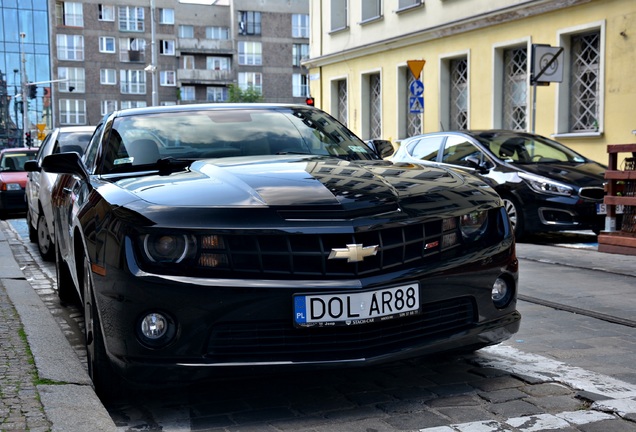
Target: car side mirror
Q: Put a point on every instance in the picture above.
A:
(473, 162)
(32, 166)
(65, 163)
(383, 148)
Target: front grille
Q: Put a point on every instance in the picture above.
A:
(280, 341)
(592, 193)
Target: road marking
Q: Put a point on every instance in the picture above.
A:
(621, 396)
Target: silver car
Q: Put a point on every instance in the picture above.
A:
(39, 184)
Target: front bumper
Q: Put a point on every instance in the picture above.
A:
(226, 325)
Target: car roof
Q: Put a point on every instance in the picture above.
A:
(18, 149)
(208, 106)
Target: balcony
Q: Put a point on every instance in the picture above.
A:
(205, 76)
(204, 46)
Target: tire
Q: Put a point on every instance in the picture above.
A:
(65, 287)
(108, 384)
(515, 215)
(33, 233)
(45, 245)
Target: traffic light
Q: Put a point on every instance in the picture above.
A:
(29, 140)
(309, 101)
(33, 91)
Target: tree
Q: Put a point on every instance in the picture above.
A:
(236, 94)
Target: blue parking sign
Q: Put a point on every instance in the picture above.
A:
(416, 104)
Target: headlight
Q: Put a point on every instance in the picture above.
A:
(474, 224)
(168, 248)
(545, 185)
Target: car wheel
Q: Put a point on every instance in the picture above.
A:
(108, 385)
(44, 239)
(33, 233)
(515, 215)
(65, 287)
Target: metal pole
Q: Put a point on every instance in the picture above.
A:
(153, 53)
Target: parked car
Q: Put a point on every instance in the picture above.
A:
(39, 184)
(250, 236)
(13, 179)
(545, 185)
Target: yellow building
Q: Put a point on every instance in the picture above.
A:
(478, 71)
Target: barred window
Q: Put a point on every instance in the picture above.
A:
(515, 89)
(342, 102)
(375, 106)
(584, 82)
(459, 93)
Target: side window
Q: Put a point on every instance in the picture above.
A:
(45, 148)
(91, 149)
(426, 148)
(457, 150)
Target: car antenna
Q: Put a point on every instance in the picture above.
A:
(441, 126)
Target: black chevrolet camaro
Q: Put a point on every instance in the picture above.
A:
(203, 239)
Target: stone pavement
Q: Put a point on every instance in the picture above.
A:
(501, 389)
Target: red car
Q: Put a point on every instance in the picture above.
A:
(13, 178)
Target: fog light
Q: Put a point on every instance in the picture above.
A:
(154, 326)
(502, 292)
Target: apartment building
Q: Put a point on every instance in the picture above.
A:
(478, 66)
(131, 53)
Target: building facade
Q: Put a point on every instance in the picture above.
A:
(478, 67)
(121, 54)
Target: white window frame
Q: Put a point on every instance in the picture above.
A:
(251, 79)
(300, 51)
(133, 104)
(106, 13)
(250, 53)
(564, 37)
(300, 26)
(132, 81)
(187, 62)
(131, 18)
(108, 76)
(218, 63)
(188, 93)
(166, 16)
(168, 78)
(216, 94)
(76, 79)
(300, 85)
(167, 47)
(70, 14)
(186, 31)
(70, 47)
(217, 33)
(108, 106)
(105, 42)
(72, 112)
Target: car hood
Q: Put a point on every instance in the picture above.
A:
(301, 183)
(578, 174)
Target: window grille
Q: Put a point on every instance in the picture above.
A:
(414, 121)
(515, 91)
(459, 94)
(584, 89)
(342, 101)
(375, 107)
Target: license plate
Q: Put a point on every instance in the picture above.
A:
(602, 209)
(353, 308)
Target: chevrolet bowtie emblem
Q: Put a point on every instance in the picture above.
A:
(353, 252)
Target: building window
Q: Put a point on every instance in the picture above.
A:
(216, 94)
(375, 106)
(222, 33)
(168, 78)
(132, 49)
(76, 79)
(106, 44)
(408, 4)
(249, 23)
(515, 89)
(342, 102)
(186, 31)
(248, 80)
(188, 93)
(300, 85)
(585, 59)
(371, 10)
(300, 26)
(166, 47)
(339, 17)
(250, 53)
(70, 47)
(106, 12)
(132, 104)
(217, 63)
(132, 81)
(458, 94)
(187, 62)
(108, 76)
(166, 16)
(131, 18)
(72, 112)
(299, 53)
(108, 106)
(69, 14)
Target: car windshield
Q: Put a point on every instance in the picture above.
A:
(144, 139)
(528, 149)
(14, 161)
